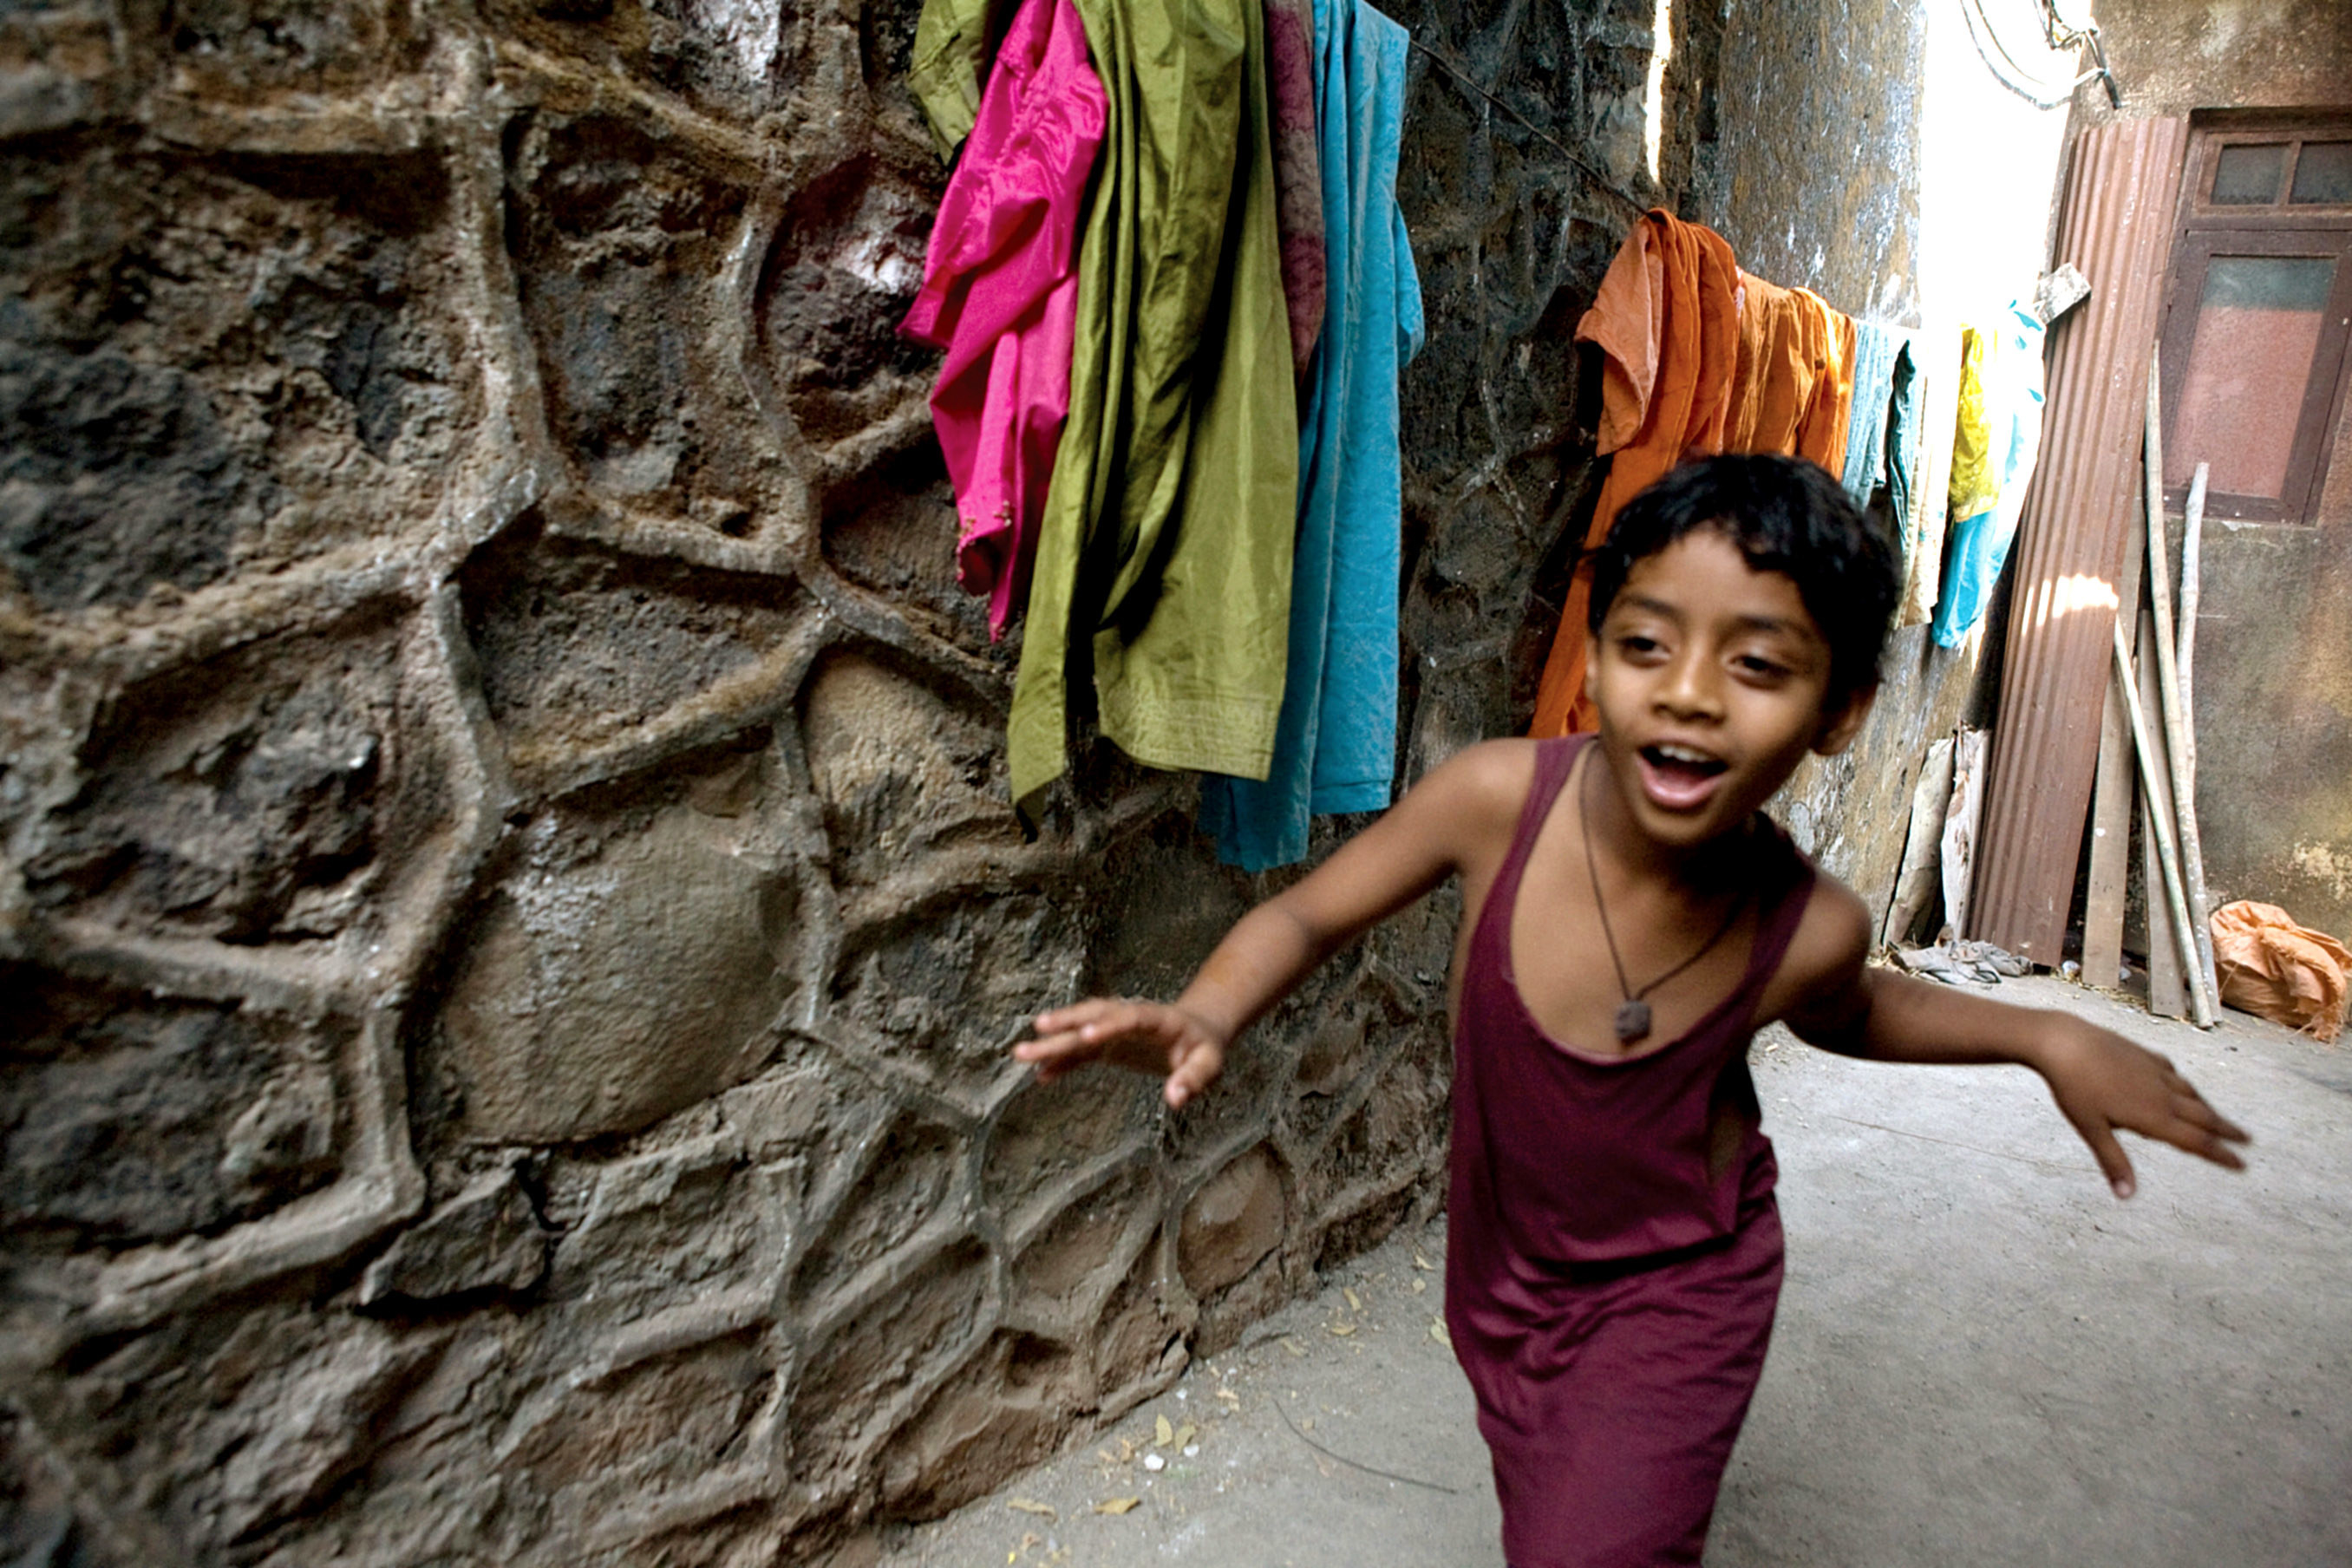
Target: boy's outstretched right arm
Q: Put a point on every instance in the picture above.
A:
(1431, 834)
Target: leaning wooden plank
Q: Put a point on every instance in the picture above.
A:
(2192, 841)
(2200, 1004)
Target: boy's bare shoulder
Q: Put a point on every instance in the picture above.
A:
(1473, 799)
(1491, 778)
(1826, 953)
(1499, 768)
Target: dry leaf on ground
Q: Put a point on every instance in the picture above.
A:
(1355, 1303)
(1163, 1434)
(1184, 1435)
(1437, 1332)
(1031, 1505)
(1118, 1504)
(1423, 1264)
(1342, 1329)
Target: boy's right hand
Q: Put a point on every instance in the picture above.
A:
(1156, 1037)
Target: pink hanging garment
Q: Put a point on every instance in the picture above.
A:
(1000, 295)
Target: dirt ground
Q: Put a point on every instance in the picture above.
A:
(1982, 1358)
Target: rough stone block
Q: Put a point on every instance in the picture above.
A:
(1079, 1257)
(669, 1228)
(1138, 1339)
(665, 1420)
(848, 258)
(915, 1174)
(488, 1237)
(261, 49)
(126, 1119)
(579, 645)
(309, 1428)
(957, 989)
(616, 979)
(1236, 1219)
(619, 240)
(1006, 1409)
(1049, 1135)
(209, 367)
(118, 474)
(733, 59)
(911, 1333)
(236, 799)
(901, 768)
(894, 531)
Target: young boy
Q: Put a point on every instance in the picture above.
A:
(1631, 920)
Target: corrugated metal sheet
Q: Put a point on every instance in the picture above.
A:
(2116, 225)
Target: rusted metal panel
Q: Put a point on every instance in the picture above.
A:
(2116, 225)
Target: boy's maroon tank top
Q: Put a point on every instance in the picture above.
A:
(1568, 1158)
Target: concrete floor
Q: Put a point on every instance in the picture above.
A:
(1982, 1358)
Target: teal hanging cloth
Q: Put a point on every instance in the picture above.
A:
(1874, 351)
(1335, 747)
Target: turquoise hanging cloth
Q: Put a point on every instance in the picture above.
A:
(1875, 351)
(1335, 743)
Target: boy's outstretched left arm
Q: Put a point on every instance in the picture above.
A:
(2103, 1082)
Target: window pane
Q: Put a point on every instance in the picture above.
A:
(2257, 333)
(2323, 176)
(2249, 176)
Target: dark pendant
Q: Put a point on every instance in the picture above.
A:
(1632, 1021)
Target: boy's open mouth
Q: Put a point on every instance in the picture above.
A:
(1678, 777)
(1681, 764)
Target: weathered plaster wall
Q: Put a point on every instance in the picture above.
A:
(2174, 56)
(2273, 671)
(1871, 157)
(509, 921)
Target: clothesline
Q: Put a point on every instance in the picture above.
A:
(1463, 79)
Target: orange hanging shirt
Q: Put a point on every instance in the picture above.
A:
(1820, 434)
(1667, 322)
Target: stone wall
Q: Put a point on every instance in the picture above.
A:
(510, 923)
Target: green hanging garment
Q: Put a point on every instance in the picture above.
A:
(1163, 556)
(955, 42)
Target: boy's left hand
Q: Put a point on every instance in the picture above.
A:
(2104, 1082)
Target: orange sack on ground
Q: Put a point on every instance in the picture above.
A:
(2275, 969)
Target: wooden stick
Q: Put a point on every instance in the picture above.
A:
(2200, 1005)
(2111, 822)
(2168, 994)
(2192, 550)
(2192, 842)
(2168, 676)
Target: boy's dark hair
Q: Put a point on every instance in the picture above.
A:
(1787, 515)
